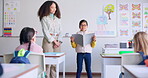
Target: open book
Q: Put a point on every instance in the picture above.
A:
(83, 39)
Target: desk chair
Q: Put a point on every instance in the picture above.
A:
(130, 59)
(34, 58)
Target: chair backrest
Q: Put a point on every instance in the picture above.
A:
(7, 57)
(131, 59)
(34, 58)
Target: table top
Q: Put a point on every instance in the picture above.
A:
(139, 71)
(48, 54)
(16, 70)
(54, 54)
(110, 55)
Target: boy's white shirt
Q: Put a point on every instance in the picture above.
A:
(85, 49)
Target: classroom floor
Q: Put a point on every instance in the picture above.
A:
(82, 76)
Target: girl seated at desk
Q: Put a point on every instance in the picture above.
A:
(141, 45)
(27, 41)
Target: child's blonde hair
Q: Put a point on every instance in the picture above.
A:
(141, 42)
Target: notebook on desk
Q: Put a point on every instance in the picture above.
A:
(54, 53)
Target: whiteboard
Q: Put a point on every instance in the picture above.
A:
(72, 12)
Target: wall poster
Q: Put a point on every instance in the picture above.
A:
(106, 26)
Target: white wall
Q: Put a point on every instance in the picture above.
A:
(7, 45)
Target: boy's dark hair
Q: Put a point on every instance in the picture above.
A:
(82, 22)
(26, 35)
(44, 10)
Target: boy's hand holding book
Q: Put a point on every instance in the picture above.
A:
(72, 39)
(94, 38)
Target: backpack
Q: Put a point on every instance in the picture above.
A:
(1, 70)
(21, 57)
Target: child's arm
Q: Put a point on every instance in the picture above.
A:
(73, 44)
(93, 43)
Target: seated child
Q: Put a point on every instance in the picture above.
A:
(27, 41)
(141, 45)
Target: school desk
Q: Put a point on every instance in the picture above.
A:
(111, 65)
(20, 71)
(56, 59)
(135, 71)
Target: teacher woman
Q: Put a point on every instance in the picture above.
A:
(49, 15)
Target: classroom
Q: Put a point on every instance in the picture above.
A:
(113, 30)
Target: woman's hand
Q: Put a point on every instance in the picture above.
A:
(56, 44)
(94, 38)
(72, 39)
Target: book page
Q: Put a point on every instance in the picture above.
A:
(83, 40)
(88, 38)
(78, 38)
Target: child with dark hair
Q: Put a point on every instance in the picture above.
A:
(83, 52)
(27, 41)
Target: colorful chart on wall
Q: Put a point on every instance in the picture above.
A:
(16, 16)
(10, 9)
(123, 20)
(129, 19)
(106, 26)
(136, 17)
(1, 18)
(145, 17)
